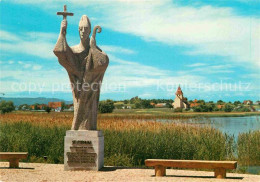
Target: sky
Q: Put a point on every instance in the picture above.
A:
(210, 48)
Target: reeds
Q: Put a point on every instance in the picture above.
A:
(249, 148)
(129, 140)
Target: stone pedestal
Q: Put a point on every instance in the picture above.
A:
(83, 150)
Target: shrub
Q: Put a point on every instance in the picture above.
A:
(6, 106)
(178, 109)
(106, 106)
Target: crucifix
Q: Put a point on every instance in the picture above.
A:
(65, 13)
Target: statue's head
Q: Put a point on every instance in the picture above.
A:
(84, 27)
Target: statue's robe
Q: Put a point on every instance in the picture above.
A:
(86, 69)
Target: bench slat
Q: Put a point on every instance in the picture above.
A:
(191, 163)
(13, 155)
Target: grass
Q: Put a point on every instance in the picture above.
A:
(128, 139)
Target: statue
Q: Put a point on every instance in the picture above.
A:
(86, 64)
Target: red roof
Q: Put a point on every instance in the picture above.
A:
(179, 91)
(55, 105)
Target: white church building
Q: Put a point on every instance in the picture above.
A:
(180, 101)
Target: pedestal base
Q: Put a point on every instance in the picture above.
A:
(83, 150)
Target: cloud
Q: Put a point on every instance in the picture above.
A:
(209, 69)
(31, 43)
(205, 30)
(196, 65)
(116, 49)
(37, 67)
(136, 75)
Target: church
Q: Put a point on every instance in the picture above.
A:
(180, 101)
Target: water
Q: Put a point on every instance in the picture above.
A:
(229, 125)
(235, 125)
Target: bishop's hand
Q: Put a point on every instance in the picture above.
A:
(63, 26)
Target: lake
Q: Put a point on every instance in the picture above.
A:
(233, 125)
(229, 125)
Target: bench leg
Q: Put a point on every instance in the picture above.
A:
(14, 163)
(160, 171)
(220, 173)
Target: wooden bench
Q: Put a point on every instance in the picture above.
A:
(13, 158)
(218, 166)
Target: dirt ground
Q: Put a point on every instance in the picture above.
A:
(54, 172)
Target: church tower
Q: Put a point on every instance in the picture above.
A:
(179, 92)
(180, 101)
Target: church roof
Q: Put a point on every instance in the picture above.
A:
(179, 91)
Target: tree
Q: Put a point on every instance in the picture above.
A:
(138, 105)
(36, 107)
(228, 107)
(63, 106)
(169, 105)
(125, 101)
(6, 107)
(106, 106)
(237, 103)
(220, 102)
(134, 100)
(146, 104)
(201, 101)
(47, 109)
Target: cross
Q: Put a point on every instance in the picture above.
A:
(65, 13)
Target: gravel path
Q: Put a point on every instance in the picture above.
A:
(54, 172)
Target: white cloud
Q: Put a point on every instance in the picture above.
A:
(27, 65)
(196, 65)
(6, 36)
(205, 30)
(37, 67)
(209, 30)
(11, 62)
(116, 49)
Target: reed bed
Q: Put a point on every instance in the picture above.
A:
(128, 140)
(249, 148)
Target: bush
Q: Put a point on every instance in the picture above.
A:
(6, 107)
(106, 106)
(178, 109)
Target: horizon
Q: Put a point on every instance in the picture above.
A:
(210, 48)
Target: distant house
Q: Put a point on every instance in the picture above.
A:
(248, 102)
(39, 106)
(160, 105)
(56, 106)
(152, 104)
(180, 101)
(194, 103)
(220, 106)
(42, 106)
(58, 109)
(257, 102)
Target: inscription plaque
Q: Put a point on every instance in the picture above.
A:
(83, 150)
(83, 153)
